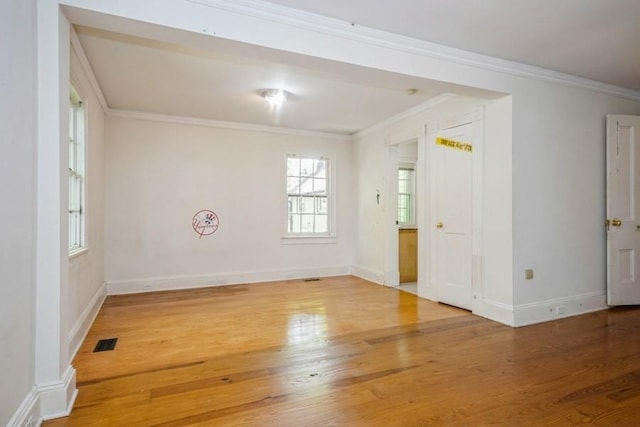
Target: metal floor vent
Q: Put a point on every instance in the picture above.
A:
(106, 345)
(311, 279)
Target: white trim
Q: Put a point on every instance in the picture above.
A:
(425, 288)
(79, 168)
(164, 118)
(86, 67)
(391, 251)
(82, 325)
(368, 274)
(28, 413)
(56, 386)
(291, 239)
(351, 31)
(544, 311)
(392, 142)
(498, 312)
(332, 199)
(57, 398)
(151, 284)
(77, 252)
(476, 118)
(456, 120)
(383, 125)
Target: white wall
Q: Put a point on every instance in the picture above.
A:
(552, 213)
(371, 164)
(408, 152)
(160, 174)
(497, 227)
(17, 208)
(559, 196)
(86, 270)
(371, 226)
(549, 218)
(553, 170)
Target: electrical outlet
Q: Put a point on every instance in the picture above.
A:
(528, 274)
(560, 309)
(147, 286)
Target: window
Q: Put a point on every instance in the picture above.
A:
(406, 192)
(76, 173)
(307, 196)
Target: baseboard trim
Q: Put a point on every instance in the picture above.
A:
(151, 284)
(544, 311)
(28, 413)
(57, 398)
(369, 274)
(497, 311)
(81, 327)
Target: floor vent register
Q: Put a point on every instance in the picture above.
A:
(106, 345)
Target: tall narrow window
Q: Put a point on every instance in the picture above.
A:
(406, 191)
(76, 173)
(307, 195)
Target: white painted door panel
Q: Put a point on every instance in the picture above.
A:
(451, 213)
(623, 210)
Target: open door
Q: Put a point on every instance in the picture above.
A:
(623, 210)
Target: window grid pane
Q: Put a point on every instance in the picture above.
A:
(76, 174)
(307, 195)
(405, 196)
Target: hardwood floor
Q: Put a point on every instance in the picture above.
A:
(342, 351)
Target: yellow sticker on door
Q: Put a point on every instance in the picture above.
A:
(451, 143)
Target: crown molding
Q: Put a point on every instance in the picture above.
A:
(86, 67)
(429, 103)
(183, 120)
(349, 30)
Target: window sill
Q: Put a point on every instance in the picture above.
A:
(308, 240)
(77, 252)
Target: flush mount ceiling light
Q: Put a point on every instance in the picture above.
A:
(275, 97)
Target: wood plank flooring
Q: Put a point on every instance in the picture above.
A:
(345, 352)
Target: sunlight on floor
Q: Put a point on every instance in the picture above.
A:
(411, 287)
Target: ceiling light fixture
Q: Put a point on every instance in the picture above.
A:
(275, 97)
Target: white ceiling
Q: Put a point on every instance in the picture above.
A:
(596, 39)
(223, 81)
(220, 80)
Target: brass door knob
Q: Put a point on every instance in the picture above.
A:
(439, 225)
(616, 222)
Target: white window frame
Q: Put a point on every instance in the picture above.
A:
(77, 161)
(311, 238)
(411, 194)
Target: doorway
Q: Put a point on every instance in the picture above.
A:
(403, 211)
(447, 161)
(406, 217)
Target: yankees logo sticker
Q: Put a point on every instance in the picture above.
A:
(205, 223)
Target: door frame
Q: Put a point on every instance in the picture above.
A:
(424, 216)
(392, 142)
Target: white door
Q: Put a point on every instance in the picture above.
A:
(451, 216)
(623, 210)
